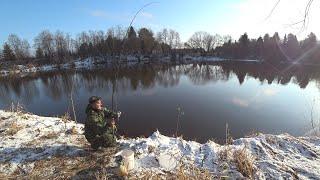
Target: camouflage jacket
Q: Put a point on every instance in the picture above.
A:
(96, 122)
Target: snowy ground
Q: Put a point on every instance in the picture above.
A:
(25, 70)
(90, 63)
(26, 140)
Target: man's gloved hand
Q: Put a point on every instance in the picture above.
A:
(119, 114)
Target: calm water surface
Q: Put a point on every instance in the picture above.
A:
(248, 97)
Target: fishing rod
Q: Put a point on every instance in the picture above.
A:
(117, 64)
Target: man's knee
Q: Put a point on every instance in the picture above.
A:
(109, 140)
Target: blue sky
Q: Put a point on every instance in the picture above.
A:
(27, 18)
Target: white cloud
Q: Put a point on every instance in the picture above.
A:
(240, 102)
(99, 13)
(146, 15)
(270, 92)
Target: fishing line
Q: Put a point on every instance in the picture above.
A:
(117, 64)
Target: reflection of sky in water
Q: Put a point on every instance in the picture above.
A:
(210, 98)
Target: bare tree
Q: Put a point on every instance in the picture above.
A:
(169, 37)
(45, 41)
(21, 48)
(162, 36)
(61, 42)
(1, 54)
(120, 32)
(204, 40)
(84, 38)
(174, 39)
(225, 39)
(201, 40)
(147, 40)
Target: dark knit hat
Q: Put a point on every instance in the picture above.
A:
(94, 99)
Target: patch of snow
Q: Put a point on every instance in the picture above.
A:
(274, 156)
(36, 138)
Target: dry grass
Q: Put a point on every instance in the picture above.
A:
(151, 149)
(50, 135)
(66, 117)
(252, 133)
(193, 172)
(13, 129)
(244, 162)
(184, 172)
(30, 65)
(89, 165)
(18, 108)
(73, 130)
(224, 154)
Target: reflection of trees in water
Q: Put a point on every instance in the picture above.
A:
(58, 85)
(27, 91)
(202, 74)
(299, 75)
(169, 76)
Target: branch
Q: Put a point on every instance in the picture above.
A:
(305, 16)
(274, 7)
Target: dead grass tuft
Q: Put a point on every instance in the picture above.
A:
(193, 172)
(253, 133)
(89, 165)
(101, 175)
(151, 149)
(72, 131)
(225, 154)
(183, 173)
(50, 135)
(66, 117)
(17, 108)
(244, 162)
(30, 65)
(13, 129)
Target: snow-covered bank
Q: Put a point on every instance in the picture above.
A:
(98, 62)
(27, 139)
(28, 69)
(273, 156)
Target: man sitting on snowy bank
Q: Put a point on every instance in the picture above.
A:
(100, 129)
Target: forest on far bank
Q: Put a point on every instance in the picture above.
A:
(59, 47)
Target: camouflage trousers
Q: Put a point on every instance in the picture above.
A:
(104, 140)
